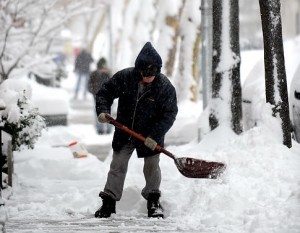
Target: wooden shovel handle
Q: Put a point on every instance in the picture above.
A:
(136, 135)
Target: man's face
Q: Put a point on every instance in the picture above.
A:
(148, 79)
(148, 73)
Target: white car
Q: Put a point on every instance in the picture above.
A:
(52, 103)
(295, 104)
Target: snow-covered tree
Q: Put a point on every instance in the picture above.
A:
(275, 74)
(226, 103)
(91, 22)
(172, 27)
(167, 21)
(186, 76)
(28, 31)
(138, 16)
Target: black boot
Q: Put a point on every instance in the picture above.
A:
(155, 210)
(108, 206)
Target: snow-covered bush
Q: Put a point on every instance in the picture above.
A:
(20, 118)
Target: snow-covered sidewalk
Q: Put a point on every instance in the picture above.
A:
(90, 225)
(53, 192)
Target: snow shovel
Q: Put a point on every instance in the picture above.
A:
(189, 167)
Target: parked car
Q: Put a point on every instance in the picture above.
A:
(52, 103)
(295, 104)
(50, 73)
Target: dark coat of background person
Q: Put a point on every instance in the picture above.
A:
(98, 77)
(83, 61)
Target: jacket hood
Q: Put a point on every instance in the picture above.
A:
(148, 56)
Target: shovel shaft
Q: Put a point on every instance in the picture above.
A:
(136, 135)
(189, 167)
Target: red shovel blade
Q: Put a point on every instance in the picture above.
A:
(195, 168)
(189, 167)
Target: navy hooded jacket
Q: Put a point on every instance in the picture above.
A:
(151, 113)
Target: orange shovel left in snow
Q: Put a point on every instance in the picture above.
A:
(78, 150)
(189, 167)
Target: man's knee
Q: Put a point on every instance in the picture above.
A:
(118, 165)
(152, 160)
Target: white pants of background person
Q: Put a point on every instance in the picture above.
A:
(82, 77)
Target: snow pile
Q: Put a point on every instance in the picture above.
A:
(258, 191)
(10, 92)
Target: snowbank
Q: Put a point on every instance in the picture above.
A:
(258, 191)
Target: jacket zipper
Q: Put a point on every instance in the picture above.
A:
(137, 100)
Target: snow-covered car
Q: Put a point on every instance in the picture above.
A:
(52, 103)
(253, 85)
(253, 90)
(295, 104)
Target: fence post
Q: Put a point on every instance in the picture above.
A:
(3, 212)
(10, 163)
(1, 158)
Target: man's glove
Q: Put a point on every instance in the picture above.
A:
(102, 118)
(150, 143)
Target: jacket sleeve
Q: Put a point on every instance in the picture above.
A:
(108, 92)
(168, 114)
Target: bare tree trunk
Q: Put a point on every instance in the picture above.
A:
(97, 31)
(236, 98)
(195, 88)
(275, 79)
(173, 22)
(216, 77)
(226, 96)
(93, 24)
(116, 44)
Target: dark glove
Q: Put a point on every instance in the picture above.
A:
(102, 118)
(150, 143)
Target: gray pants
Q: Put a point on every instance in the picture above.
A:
(118, 169)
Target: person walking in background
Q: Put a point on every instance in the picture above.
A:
(96, 81)
(147, 104)
(82, 70)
